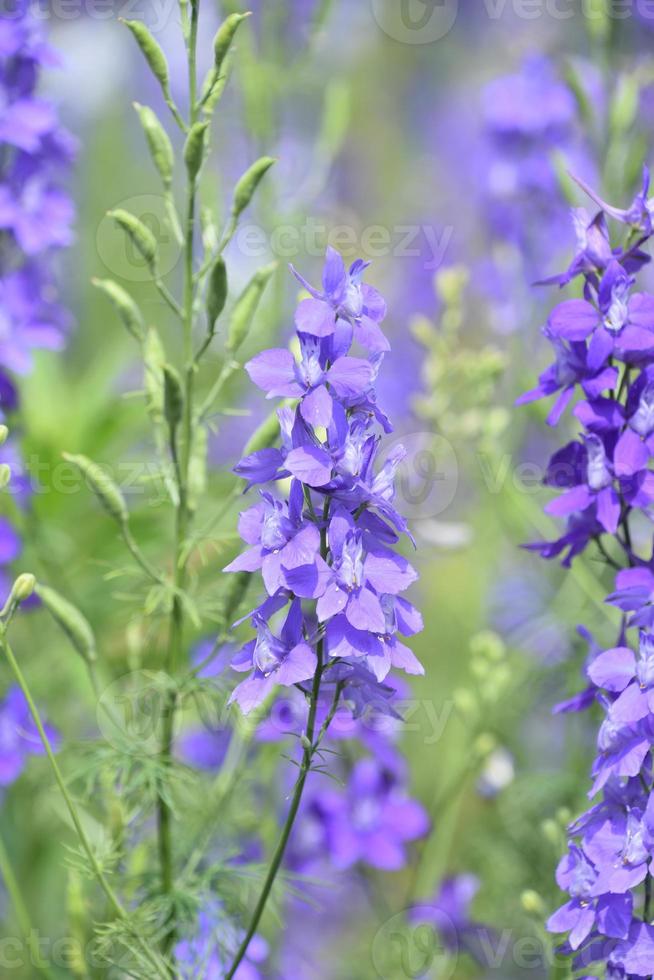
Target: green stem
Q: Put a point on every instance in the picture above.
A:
(22, 915)
(280, 850)
(183, 515)
(111, 896)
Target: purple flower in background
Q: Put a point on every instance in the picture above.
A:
(35, 212)
(209, 949)
(18, 736)
(606, 479)
(448, 912)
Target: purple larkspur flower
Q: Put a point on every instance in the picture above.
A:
(19, 737)
(209, 949)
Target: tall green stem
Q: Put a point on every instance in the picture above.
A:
(280, 850)
(183, 515)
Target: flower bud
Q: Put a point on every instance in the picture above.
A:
(216, 292)
(102, 486)
(173, 396)
(161, 149)
(4, 434)
(194, 149)
(23, 587)
(5, 475)
(71, 621)
(153, 362)
(225, 37)
(143, 239)
(532, 903)
(246, 307)
(484, 744)
(248, 184)
(152, 52)
(125, 306)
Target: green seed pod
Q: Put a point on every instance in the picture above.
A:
(5, 475)
(246, 307)
(194, 149)
(143, 239)
(152, 52)
(216, 292)
(173, 396)
(23, 587)
(4, 434)
(214, 86)
(225, 37)
(102, 486)
(248, 184)
(161, 149)
(125, 306)
(153, 380)
(70, 619)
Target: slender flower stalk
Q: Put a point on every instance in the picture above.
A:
(323, 550)
(604, 347)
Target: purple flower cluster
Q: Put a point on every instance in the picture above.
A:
(35, 213)
(325, 551)
(604, 350)
(35, 219)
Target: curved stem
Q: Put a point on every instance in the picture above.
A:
(115, 903)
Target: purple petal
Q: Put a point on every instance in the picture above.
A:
(274, 372)
(316, 407)
(299, 665)
(310, 464)
(574, 319)
(613, 669)
(315, 317)
(350, 376)
(364, 612)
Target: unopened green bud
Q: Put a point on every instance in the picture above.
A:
(161, 149)
(102, 486)
(152, 52)
(465, 702)
(173, 396)
(225, 37)
(564, 816)
(306, 743)
(246, 307)
(4, 434)
(216, 292)
(248, 184)
(5, 475)
(70, 619)
(532, 903)
(551, 831)
(484, 744)
(194, 149)
(143, 239)
(450, 283)
(23, 587)
(489, 645)
(125, 306)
